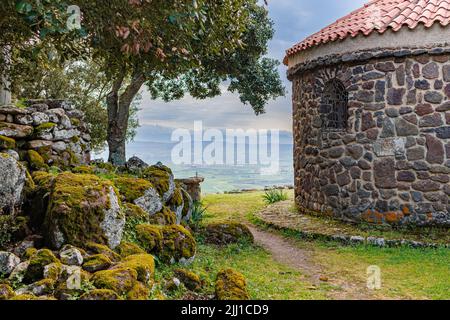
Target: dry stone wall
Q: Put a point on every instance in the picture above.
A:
(45, 133)
(391, 164)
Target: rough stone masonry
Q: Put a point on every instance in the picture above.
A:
(45, 133)
(390, 164)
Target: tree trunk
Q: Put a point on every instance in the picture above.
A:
(118, 115)
(5, 93)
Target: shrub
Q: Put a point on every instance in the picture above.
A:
(274, 195)
(198, 214)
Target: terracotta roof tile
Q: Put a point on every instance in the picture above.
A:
(379, 16)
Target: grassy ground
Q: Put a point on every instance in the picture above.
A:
(406, 273)
(266, 278)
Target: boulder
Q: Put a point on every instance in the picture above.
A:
(143, 264)
(172, 243)
(231, 285)
(71, 256)
(227, 233)
(162, 179)
(96, 263)
(190, 280)
(135, 165)
(8, 262)
(13, 178)
(120, 280)
(83, 208)
(37, 264)
(126, 249)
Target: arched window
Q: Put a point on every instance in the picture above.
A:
(334, 105)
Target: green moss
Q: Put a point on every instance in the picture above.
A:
(189, 279)
(177, 198)
(96, 262)
(159, 177)
(75, 139)
(126, 249)
(135, 212)
(120, 280)
(100, 294)
(29, 252)
(43, 179)
(139, 292)
(164, 217)
(143, 264)
(150, 237)
(45, 127)
(231, 285)
(38, 261)
(83, 169)
(7, 143)
(132, 188)
(77, 206)
(75, 122)
(102, 249)
(187, 200)
(35, 160)
(6, 292)
(178, 244)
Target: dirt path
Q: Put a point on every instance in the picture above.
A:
(285, 251)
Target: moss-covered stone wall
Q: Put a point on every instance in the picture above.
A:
(45, 133)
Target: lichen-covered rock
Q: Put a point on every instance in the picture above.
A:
(83, 208)
(39, 288)
(37, 263)
(135, 165)
(71, 256)
(150, 202)
(100, 294)
(6, 292)
(176, 204)
(163, 217)
(53, 271)
(126, 249)
(139, 292)
(190, 280)
(19, 272)
(231, 285)
(143, 264)
(96, 263)
(227, 233)
(72, 283)
(120, 280)
(8, 262)
(162, 179)
(188, 205)
(12, 177)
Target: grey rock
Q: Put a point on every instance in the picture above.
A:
(150, 202)
(114, 221)
(71, 256)
(39, 118)
(12, 177)
(8, 262)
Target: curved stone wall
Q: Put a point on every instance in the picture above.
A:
(391, 164)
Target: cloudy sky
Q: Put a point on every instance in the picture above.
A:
(294, 20)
